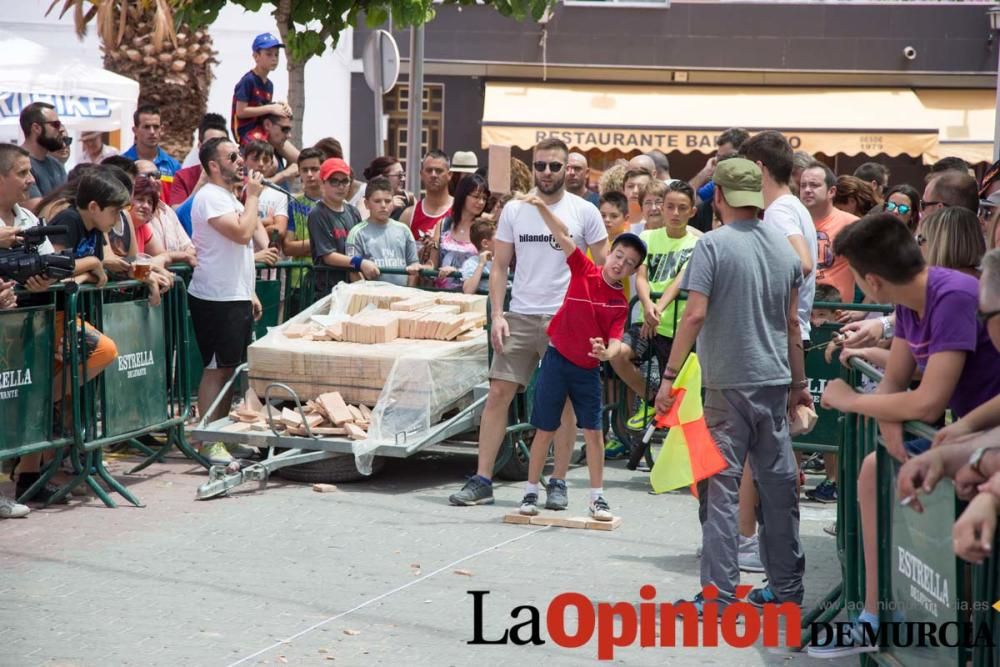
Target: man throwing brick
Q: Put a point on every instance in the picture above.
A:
(519, 336)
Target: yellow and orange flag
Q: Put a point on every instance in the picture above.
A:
(689, 453)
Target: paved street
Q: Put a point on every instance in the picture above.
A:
(375, 573)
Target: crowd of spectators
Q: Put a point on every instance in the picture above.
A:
(755, 238)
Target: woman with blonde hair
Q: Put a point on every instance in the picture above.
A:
(951, 237)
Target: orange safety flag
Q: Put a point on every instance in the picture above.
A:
(689, 453)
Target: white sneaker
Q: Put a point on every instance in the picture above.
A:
(749, 555)
(217, 454)
(11, 509)
(600, 510)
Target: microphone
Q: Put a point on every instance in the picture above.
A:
(274, 186)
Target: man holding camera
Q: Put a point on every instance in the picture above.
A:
(16, 181)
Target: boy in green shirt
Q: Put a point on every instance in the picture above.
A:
(670, 247)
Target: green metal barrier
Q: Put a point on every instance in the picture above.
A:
(144, 391)
(911, 546)
(27, 350)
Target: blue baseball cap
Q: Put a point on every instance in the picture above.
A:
(634, 241)
(266, 41)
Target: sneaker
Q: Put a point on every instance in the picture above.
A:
(615, 449)
(854, 643)
(600, 510)
(477, 491)
(831, 529)
(44, 495)
(825, 492)
(217, 454)
(749, 555)
(759, 597)
(814, 463)
(698, 601)
(640, 420)
(556, 497)
(239, 451)
(11, 509)
(529, 504)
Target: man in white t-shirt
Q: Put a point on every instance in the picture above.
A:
(221, 299)
(783, 210)
(520, 335)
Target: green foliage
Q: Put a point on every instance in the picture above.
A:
(312, 26)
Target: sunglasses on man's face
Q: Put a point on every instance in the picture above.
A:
(928, 204)
(554, 167)
(54, 123)
(152, 175)
(234, 156)
(339, 182)
(893, 207)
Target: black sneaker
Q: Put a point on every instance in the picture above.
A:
(814, 463)
(825, 492)
(475, 492)
(556, 497)
(529, 504)
(44, 495)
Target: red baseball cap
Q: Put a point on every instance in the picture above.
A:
(333, 166)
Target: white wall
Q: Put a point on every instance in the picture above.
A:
(328, 79)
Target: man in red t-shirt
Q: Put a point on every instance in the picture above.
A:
(585, 331)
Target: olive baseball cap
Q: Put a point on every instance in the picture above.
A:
(740, 180)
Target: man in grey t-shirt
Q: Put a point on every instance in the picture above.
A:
(744, 277)
(41, 125)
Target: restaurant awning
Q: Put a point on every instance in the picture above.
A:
(965, 119)
(683, 118)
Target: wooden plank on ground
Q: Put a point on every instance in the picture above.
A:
(562, 522)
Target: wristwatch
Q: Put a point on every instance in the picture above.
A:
(888, 327)
(977, 459)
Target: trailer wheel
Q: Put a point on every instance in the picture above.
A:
(515, 467)
(333, 470)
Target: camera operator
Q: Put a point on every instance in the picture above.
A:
(15, 185)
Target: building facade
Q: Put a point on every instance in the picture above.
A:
(904, 82)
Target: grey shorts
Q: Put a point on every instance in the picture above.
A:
(522, 350)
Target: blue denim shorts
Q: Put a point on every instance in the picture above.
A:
(559, 378)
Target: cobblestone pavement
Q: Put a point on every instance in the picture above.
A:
(376, 573)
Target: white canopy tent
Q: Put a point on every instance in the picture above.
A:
(87, 98)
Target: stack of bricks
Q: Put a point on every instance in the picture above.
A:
(328, 415)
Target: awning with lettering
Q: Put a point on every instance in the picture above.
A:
(689, 118)
(86, 97)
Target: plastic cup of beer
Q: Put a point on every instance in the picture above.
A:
(141, 266)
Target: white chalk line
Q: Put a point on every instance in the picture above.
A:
(383, 596)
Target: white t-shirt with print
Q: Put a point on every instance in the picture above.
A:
(225, 270)
(272, 203)
(542, 275)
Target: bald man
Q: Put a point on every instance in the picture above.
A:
(577, 177)
(642, 162)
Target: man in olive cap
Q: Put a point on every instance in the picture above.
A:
(744, 277)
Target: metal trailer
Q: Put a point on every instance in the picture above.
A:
(331, 459)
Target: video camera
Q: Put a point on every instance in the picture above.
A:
(22, 261)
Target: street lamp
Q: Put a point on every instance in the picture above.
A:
(994, 15)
